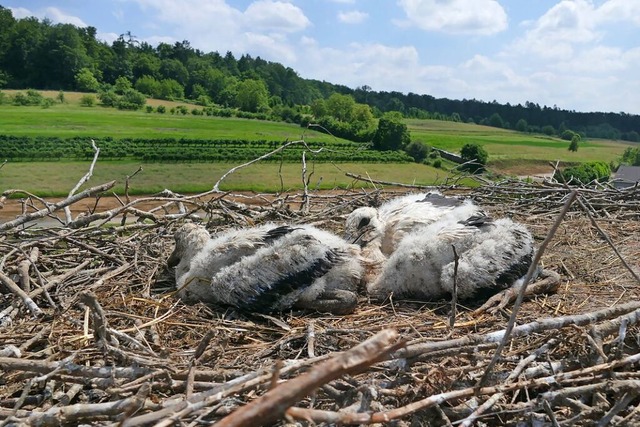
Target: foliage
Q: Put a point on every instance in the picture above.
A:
(568, 135)
(182, 150)
(252, 96)
(60, 97)
(161, 109)
(496, 121)
(392, 133)
(88, 100)
(573, 146)
(476, 155)
(522, 125)
(585, 173)
(417, 150)
(86, 81)
(32, 97)
(631, 156)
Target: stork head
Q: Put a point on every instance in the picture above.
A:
(190, 238)
(363, 226)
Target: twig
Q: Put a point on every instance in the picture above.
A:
(272, 405)
(56, 206)
(523, 288)
(85, 178)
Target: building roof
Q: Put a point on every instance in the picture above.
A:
(630, 174)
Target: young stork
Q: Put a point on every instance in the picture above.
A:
(493, 255)
(197, 256)
(271, 268)
(307, 268)
(380, 231)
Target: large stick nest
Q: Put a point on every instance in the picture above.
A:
(90, 331)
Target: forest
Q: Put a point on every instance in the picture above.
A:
(39, 54)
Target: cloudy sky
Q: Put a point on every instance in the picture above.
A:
(579, 55)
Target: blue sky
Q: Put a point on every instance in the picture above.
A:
(579, 55)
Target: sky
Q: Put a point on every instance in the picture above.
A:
(581, 55)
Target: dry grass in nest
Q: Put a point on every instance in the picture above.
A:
(93, 334)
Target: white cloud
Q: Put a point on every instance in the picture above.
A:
(478, 17)
(275, 16)
(20, 12)
(53, 13)
(620, 10)
(262, 29)
(58, 16)
(352, 17)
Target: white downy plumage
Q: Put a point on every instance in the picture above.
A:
(380, 231)
(307, 268)
(493, 255)
(272, 268)
(198, 256)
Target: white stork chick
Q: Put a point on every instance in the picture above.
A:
(380, 231)
(492, 256)
(197, 256)
(307, 268)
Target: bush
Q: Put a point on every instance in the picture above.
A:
(417, 150)
(131, 100)
(161, 109)
(47, 102)
(475, 154)
(32, 97)
(585, 173)
(149, 108)
(109, 98)
(437, 163)
(88, 100)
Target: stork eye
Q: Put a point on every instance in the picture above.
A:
(363, 222)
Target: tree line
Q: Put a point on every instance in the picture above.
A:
(39, 54)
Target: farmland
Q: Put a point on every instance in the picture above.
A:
(188, 153)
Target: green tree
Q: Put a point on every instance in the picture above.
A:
(496, 121)
(170, 89)
(417, 150)
(476, 155)
(340, 107)
(122, 85)
(522, 125)
(392, 132)
(86, 81)
(573, 146)
(148, 85)
(252, 95)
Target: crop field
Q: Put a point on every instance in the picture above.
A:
(160, 143)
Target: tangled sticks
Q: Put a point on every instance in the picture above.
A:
(104, 340)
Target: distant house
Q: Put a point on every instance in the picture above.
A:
(627, 176)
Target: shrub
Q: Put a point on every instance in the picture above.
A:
(417, 150)
(475, 154)
(60, 97)
(584, 173)
(109, 98)
(47, 102)
(437, 163)
(149, 108)
(88, 100)
(161, 109)
(3, 98)
(131, 100)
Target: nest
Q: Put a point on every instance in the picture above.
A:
(91, 333)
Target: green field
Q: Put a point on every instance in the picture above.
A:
(57, 178)
(509, 152)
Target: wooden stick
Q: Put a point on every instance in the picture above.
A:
(272, 405)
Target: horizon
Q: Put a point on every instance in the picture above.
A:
(575, 55)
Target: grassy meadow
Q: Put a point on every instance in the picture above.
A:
(509, 152)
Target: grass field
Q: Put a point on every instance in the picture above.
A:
(57, 178)
(509, 152)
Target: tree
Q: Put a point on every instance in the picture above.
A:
(417, 150)
(122, 85)
(496, 121)
(573, 146)
(522, 125)
(86, 81)
(252, 95)
(341, 107)
(476, 155)
(392, 133)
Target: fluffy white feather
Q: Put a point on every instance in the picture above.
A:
(492, 256)
(199, 256)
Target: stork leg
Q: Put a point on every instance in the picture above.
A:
(335, 301)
